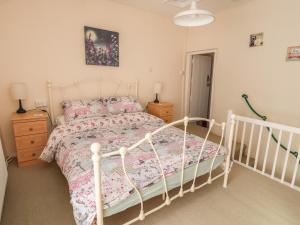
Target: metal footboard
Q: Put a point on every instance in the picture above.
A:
(167, 200)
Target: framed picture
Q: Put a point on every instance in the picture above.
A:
(293, 53)
(101, 47)
(256, 40)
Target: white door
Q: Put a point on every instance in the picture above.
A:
(201, 73)
(3, 178)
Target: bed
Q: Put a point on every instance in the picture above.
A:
(136, 156)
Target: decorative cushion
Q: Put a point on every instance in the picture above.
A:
(81, 109)
(123, 104)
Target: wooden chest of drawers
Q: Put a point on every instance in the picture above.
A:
(31, 135)
(163, 110)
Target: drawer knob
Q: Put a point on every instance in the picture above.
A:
(33, 154)
(31, 142)
(30, 129)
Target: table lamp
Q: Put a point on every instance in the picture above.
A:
(157, 91)
(19, 92)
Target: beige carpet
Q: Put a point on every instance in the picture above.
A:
(200, 131)
(39, 195)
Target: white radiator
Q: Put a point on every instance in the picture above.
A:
(3, 178)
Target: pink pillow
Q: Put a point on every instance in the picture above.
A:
(81, 109)
(117, 105)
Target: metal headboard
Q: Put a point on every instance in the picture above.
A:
(100, 88)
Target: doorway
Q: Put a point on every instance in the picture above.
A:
(199, 85)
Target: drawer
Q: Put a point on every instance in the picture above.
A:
(161, 111)
(28, 128)
(167, 119)
(165, 111)
(31, 141)
(29, 154)
(153, 111)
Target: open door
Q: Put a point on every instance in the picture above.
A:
(200, 85)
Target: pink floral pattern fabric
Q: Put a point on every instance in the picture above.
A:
(117, 105)
(81, 109)
(70, 145)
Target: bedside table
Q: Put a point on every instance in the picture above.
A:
(163, 110)
(31, 135)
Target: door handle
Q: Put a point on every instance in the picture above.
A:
(208, 80)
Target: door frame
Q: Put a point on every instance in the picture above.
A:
(187, 79)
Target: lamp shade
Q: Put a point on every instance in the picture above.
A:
(194, 17)
(157, 88)
(19, 91)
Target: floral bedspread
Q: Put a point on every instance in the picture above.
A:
(70, 145)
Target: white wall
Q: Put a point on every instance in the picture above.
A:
(263, 73)
(44, 40)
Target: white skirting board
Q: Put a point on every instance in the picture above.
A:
(3, 178)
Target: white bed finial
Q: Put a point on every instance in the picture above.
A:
(123, 151)
(186, 120)
(148, 136)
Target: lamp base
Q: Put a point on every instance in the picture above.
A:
(156, 99)
(21, 109)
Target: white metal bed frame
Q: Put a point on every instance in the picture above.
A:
(131, 89)
(228, 136)
(96, 149)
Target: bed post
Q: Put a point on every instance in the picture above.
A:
(49, 84)
(228, 145)
(96, 150)
(137, 89)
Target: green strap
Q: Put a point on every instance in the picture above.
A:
(245, 97)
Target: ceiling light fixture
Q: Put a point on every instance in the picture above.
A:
(194, 17)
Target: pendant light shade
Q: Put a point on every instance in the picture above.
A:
(194, 17)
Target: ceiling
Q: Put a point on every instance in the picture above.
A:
(158, 6)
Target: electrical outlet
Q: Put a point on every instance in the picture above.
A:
(40, 103)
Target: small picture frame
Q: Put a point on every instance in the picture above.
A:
(256, 40)
(293, 53)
